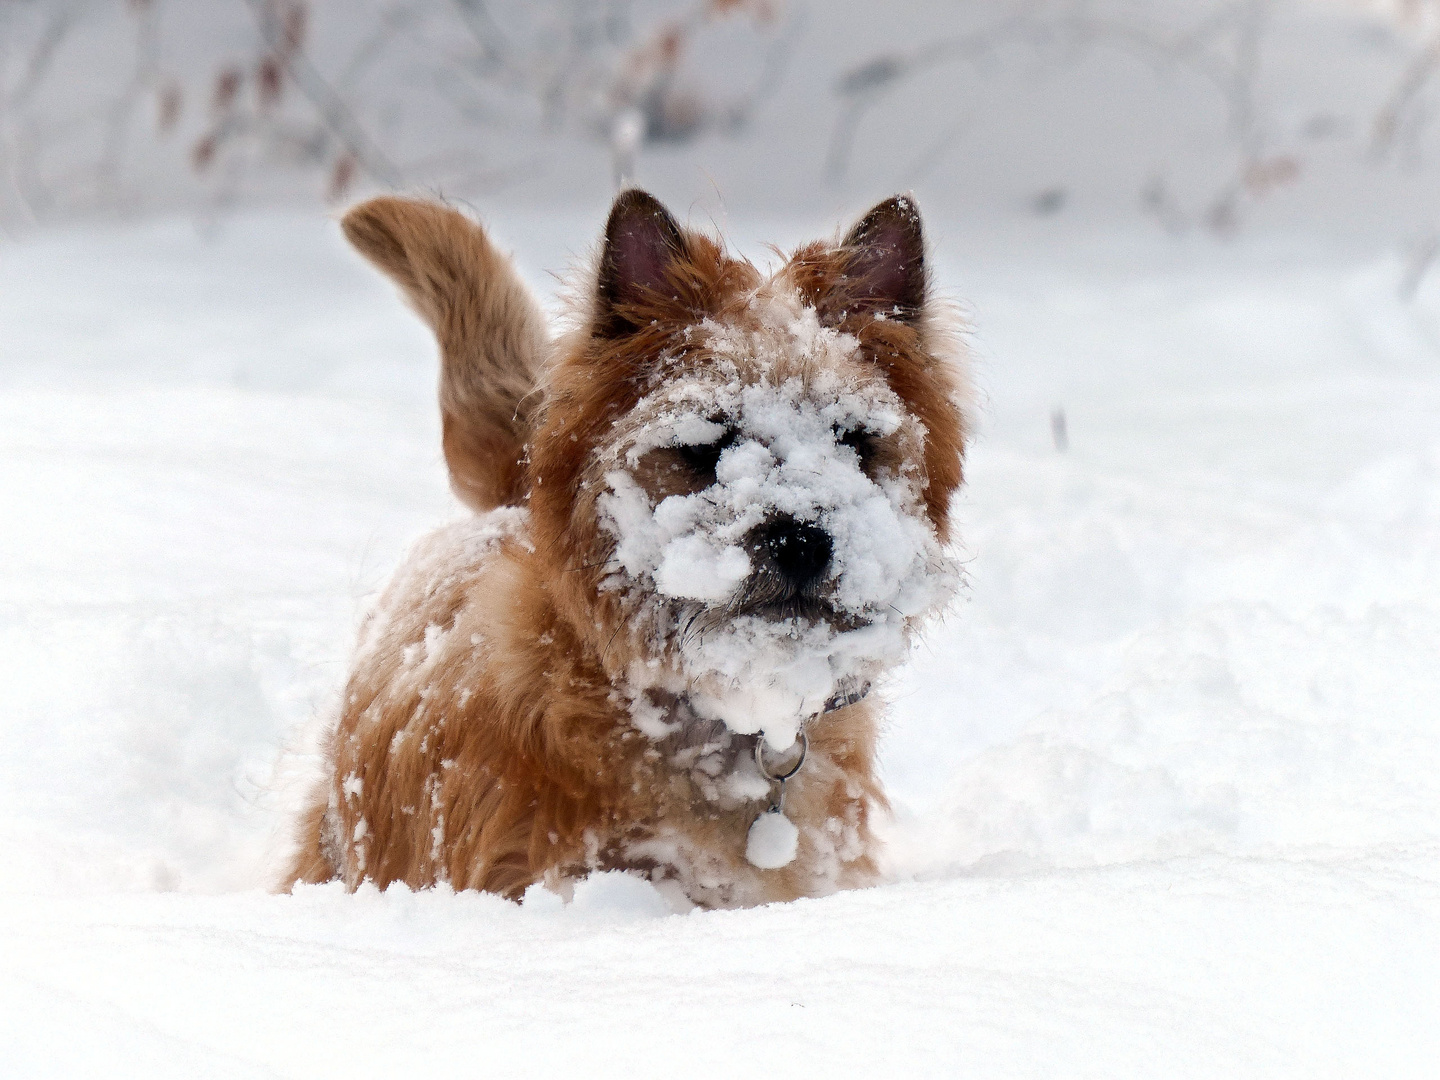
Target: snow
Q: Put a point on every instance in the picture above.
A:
(1166, 777)
(772, 842)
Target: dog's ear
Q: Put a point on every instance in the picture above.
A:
(883, 264)
(643, 244)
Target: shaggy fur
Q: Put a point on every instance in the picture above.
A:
(492, 733)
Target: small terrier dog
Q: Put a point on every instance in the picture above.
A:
(707, 517)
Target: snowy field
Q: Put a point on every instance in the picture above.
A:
(1167, 778)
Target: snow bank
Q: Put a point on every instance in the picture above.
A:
(1166, 777)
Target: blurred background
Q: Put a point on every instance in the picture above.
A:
(1205, 116)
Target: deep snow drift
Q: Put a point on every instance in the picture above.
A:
(1166, 778)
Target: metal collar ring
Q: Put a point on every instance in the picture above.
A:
(780, 777)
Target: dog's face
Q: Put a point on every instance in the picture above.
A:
(745, 480)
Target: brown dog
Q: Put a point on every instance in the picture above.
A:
(708, 516)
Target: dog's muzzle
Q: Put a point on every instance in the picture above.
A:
(790, 559)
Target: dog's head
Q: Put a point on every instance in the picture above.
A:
(742, 482)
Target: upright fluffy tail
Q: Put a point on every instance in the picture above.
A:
(490, 329)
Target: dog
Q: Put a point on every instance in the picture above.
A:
(708, 516)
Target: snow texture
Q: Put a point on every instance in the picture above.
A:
(772, 842)
(1165, 778)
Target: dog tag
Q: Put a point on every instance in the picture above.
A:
(773, 841)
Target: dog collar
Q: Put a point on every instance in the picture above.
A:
(843, 699)
(846, 698)
(773, 839)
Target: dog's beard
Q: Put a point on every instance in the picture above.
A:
(768, 659)
(768, 675)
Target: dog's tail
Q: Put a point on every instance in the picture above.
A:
(491, 333)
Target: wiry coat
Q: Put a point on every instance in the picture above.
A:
(485, 739)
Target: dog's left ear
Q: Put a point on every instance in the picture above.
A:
(643, 244)
(883, 264)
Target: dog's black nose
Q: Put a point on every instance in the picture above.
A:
(800, 551)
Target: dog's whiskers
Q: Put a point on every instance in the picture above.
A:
(588, 566)
(606, 651)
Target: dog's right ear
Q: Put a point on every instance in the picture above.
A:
(491, 332)
(643, 244)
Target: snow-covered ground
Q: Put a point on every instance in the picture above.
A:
(1167, 779)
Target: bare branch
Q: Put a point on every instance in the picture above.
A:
(1421, 259)
(1412, 81)
(333, 110)
(38, 63)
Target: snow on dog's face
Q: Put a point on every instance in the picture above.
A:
(757, 470)
(766, 508)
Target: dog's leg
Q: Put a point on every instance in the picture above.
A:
(491, 332)
(311, 865)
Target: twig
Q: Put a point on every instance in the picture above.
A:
(1418, 266)
(1417, 73)
(334, 112)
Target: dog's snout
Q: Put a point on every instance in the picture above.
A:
(800, 551)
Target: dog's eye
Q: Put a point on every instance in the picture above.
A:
(861, 441)
(703, 457)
